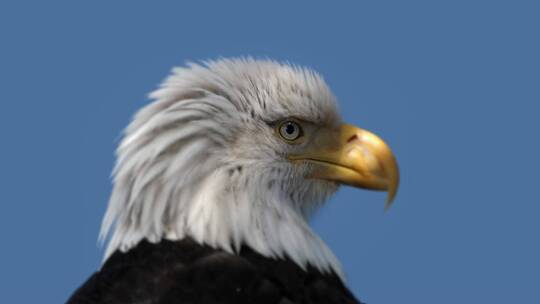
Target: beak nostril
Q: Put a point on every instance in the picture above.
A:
(352, 138)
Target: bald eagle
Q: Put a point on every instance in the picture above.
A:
(216, 180)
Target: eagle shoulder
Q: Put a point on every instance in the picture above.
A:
(187, 272)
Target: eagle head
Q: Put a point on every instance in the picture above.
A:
(240, 152)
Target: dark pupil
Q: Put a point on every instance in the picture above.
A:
(290, 128)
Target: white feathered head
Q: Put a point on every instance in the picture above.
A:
(240, 152)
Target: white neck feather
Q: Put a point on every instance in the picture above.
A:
(227, 210)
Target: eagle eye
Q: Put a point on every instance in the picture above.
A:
(290, 130)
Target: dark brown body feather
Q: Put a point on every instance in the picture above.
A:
(185, 272)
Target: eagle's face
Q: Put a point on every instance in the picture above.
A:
(241, 152)
(266, 151)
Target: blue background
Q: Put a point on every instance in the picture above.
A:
(453, 87)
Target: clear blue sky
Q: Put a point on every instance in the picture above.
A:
(454, 88)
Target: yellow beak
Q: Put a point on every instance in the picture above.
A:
(354, 157)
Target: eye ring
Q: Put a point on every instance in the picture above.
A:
(290, 130)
